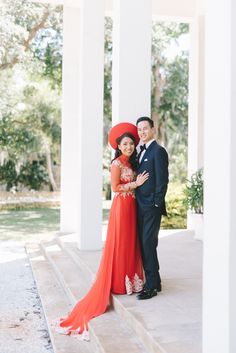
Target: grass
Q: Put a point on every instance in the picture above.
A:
(29, 223)
(26, 224)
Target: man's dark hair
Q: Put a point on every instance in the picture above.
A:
(145, 118)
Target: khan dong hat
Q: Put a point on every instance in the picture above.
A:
(119, 129)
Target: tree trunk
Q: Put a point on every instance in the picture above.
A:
(49, 167)
(157, 92)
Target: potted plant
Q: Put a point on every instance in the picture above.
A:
(194, 202)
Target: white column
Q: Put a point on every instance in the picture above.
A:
(196, 95)
(70, 121)
(82, 209)
(91, 124)
(131, 75)
(196, 109)
(219, 285)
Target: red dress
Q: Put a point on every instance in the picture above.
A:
(120, 269)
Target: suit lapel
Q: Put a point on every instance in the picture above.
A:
(147, 152)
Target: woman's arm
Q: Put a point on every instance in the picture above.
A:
(115, 179)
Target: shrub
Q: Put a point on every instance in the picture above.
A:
(33, 175)
(194, 192)
(176, 210)
(8, 174)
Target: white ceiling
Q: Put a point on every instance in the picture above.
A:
(177, 9)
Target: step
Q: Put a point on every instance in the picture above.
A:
(88, 261)
(71, 249)
(54, 302)
(170, 322)
(110, 332)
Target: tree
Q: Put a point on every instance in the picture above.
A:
(107, 105)
(33, 126)
(30, 81)
(170, 95)
(27, 29)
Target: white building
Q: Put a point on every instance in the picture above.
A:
(212, 125)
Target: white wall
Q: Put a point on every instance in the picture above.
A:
(219, 285)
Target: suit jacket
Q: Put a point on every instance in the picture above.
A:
(153, 191)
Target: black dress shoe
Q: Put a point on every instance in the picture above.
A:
(158, 288)
(147, 294)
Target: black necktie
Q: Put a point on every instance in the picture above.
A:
(142, 148)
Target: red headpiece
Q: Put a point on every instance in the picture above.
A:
(119, 129)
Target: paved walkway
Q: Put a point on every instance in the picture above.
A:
(22, 324)
(181, 301)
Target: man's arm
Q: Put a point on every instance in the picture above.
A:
(161, 175)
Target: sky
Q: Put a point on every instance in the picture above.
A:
(176, 48)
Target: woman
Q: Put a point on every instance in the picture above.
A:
(120, 270)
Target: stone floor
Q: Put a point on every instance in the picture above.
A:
(174, 316)
(22, 324)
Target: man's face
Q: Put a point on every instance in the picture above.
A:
(145, 131)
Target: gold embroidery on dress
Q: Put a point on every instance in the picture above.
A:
(127, 176)
(133, 286)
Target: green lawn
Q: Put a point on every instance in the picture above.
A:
(34, 223)
(25, 224)
(42, 223)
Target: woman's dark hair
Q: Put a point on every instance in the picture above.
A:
(132, 158)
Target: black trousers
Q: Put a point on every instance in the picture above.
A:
(148, 226)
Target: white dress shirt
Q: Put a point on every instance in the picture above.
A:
(147, 145)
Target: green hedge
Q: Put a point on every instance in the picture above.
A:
(8, 174)
(32, 175)
(176, 210)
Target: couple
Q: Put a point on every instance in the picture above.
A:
(140, 184)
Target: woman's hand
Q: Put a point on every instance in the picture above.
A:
(141, 178)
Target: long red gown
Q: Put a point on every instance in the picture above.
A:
(120, 269)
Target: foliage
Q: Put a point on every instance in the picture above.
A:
(30, 81)
(33, 175)
(29, 31)
(107, 108)
(30, 85)
(48, 50)
(170, 95)
(173, 115)
(32, 123)
(194, 192)
(8, 174)
(176, 210)
(106, 172)
(107, 78)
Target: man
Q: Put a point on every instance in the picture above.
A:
(150, 203)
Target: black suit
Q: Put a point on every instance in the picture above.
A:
(151, 193)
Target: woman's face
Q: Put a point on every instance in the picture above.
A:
(126, 146)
